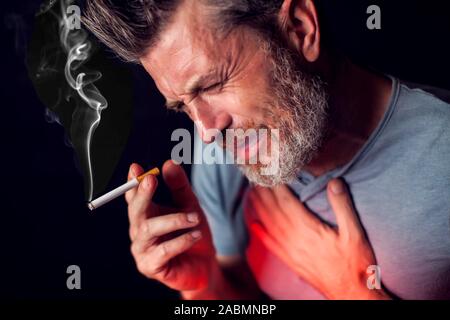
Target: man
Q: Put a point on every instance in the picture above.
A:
(241, 64)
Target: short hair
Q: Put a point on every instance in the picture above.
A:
(131, 27)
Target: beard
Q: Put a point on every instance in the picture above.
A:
(297, 108)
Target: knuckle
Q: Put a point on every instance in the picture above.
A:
(132, 208)
(134, 250)
(144, 228)
(186, 240)
(144, 268)
(144, 189)
(132, 232)
(180, 220)
(147, 267)
(129, 196)
(164, 250)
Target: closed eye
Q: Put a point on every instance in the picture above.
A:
(179, 106)
(215, 86)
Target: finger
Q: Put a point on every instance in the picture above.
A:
(179, 185)
(162, 225)
(139, 207)
(135, 170)
(169, 249)
(291, 205)
(341, 203)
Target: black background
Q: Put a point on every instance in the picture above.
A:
(44, 224)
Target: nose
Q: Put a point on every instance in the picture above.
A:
(210, 121)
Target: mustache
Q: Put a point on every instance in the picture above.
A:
(233, 136)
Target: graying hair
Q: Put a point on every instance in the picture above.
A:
(131, 27)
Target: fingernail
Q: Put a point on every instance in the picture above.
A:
(175, 162)
(337, 187)
(132, 172)
(196, 234)
(192, 217)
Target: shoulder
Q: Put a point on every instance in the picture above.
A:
(419, 121)
(410, 155)
(413, 151)
(430, 118)
(429, 103)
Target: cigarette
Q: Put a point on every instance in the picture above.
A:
(94, 204)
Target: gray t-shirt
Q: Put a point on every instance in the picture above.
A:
(400, 183)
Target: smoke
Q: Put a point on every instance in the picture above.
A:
(80, 104)
(60, 59)
(46, 6)
(51, 117)
(78, 48)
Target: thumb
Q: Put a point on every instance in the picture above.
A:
(180, 188)
(341, 203)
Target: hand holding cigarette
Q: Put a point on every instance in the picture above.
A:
(172, 245)
(121, 190)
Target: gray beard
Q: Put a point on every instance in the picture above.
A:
(300, 112)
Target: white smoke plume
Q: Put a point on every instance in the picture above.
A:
(78, 48)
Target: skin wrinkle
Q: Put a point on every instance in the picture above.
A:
(234, 72)
(263, 89)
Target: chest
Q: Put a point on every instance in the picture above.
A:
(410, 242)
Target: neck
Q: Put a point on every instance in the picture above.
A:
(358, 100)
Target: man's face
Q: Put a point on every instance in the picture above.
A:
(240, 82)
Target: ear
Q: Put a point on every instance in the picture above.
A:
(300, 23)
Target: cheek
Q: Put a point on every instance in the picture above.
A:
(241, 103)
(241, 106)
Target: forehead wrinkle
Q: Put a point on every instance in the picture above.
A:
(198, 56)
(212, 62)
(193, 71)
